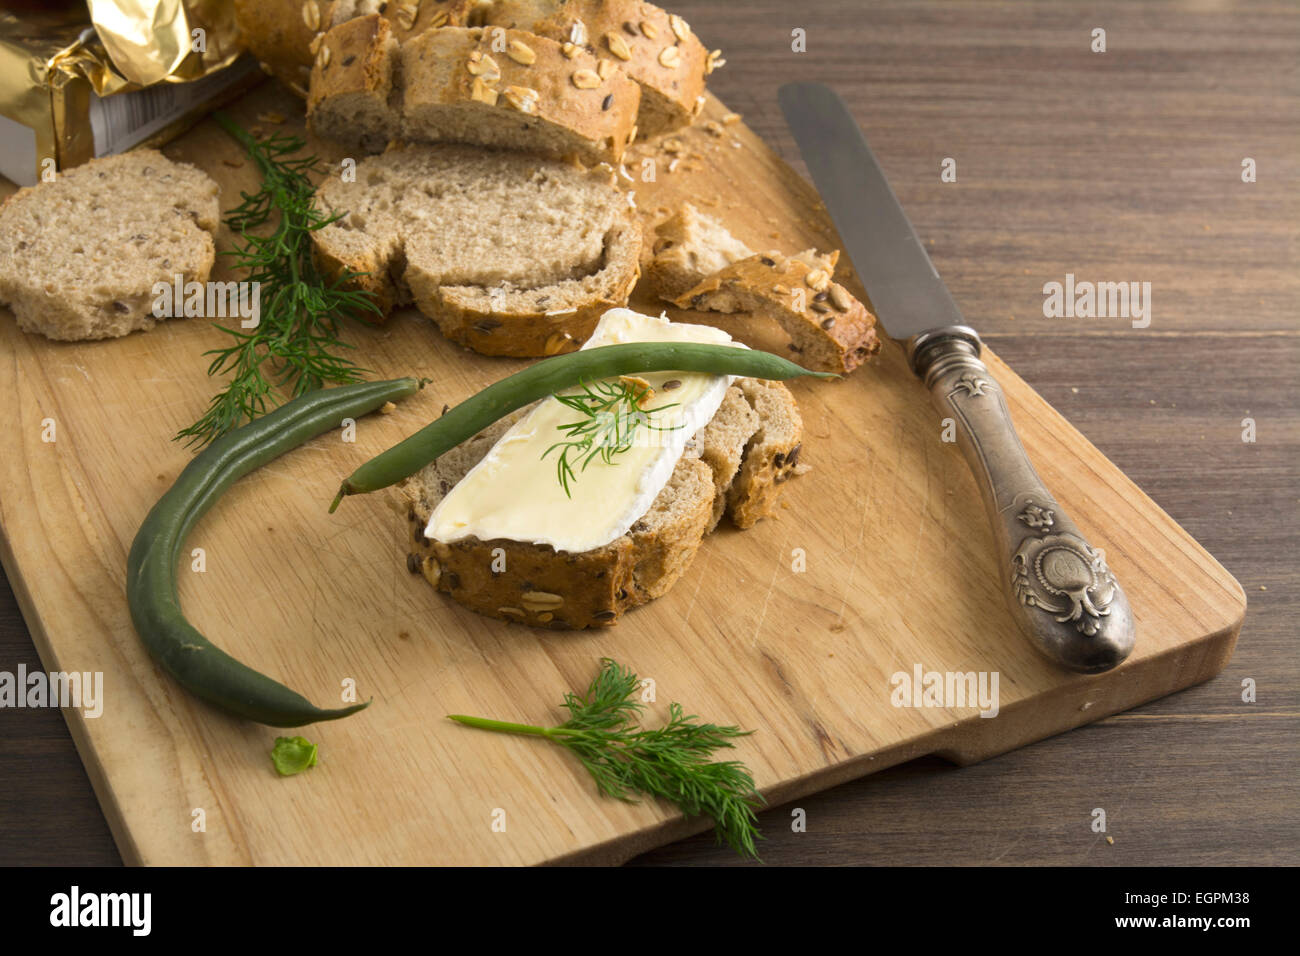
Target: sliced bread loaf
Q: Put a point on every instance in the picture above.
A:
(492, 87)
(508, 253)
(689, 247)
(654, 47)
(285, 35)
(829, 329)
(79, 256)
(536, 585)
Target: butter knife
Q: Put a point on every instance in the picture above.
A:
(1057, 585)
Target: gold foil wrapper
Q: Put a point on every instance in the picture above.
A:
(61, 62)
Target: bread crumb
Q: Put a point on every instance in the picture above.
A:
(1110, 840)
(387, 408)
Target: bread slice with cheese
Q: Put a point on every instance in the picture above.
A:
(80, 256)
(829, 329)
(508, 253)
(493, 528)
(497, 87)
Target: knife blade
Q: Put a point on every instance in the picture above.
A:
(1058, 587)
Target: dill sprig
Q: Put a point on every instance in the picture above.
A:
(671, 762)
(611, 416)
(295, 343)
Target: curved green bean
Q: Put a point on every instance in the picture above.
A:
(548, 377)
(151, 588)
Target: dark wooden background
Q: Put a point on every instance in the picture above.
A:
(1119, 166)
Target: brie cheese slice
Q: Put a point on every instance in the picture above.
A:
(515, 493)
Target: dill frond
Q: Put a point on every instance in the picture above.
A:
(673, 762)
(295, 345)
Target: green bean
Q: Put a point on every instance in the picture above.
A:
(151, 588)
(548, 377)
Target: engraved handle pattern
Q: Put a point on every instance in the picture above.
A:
(1058, 586)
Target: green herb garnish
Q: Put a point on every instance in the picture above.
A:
(295, 343)
(293, 755)
(611, 416)
(671, 762)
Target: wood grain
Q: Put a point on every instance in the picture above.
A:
(1108, 408)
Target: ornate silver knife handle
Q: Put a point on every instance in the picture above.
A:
(1058, 586)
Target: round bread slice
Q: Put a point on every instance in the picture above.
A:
(509, 253)
(79, 256)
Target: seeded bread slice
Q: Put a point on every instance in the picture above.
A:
(654, 47)
(689, 247)
(79, 256)
(510, 254)
(830, 330)
(534, 584)
(491, 87)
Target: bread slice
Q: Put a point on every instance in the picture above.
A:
(654, 47)
(829, 329)
(690, 246)
(510, 254)
(537, 585)
(79, 256)
(491, 87)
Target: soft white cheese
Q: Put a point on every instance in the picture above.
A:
(514, 492)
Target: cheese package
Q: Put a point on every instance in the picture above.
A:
(514, 493)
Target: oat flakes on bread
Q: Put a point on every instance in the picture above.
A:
(491, 87)
(79, 256)
(690, 246)
(547, 588)
(829, 329)
(656, 48)
(508, 253)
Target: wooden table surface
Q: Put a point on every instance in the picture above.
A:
(1117, 166)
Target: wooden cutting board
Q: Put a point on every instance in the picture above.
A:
(880, 561)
